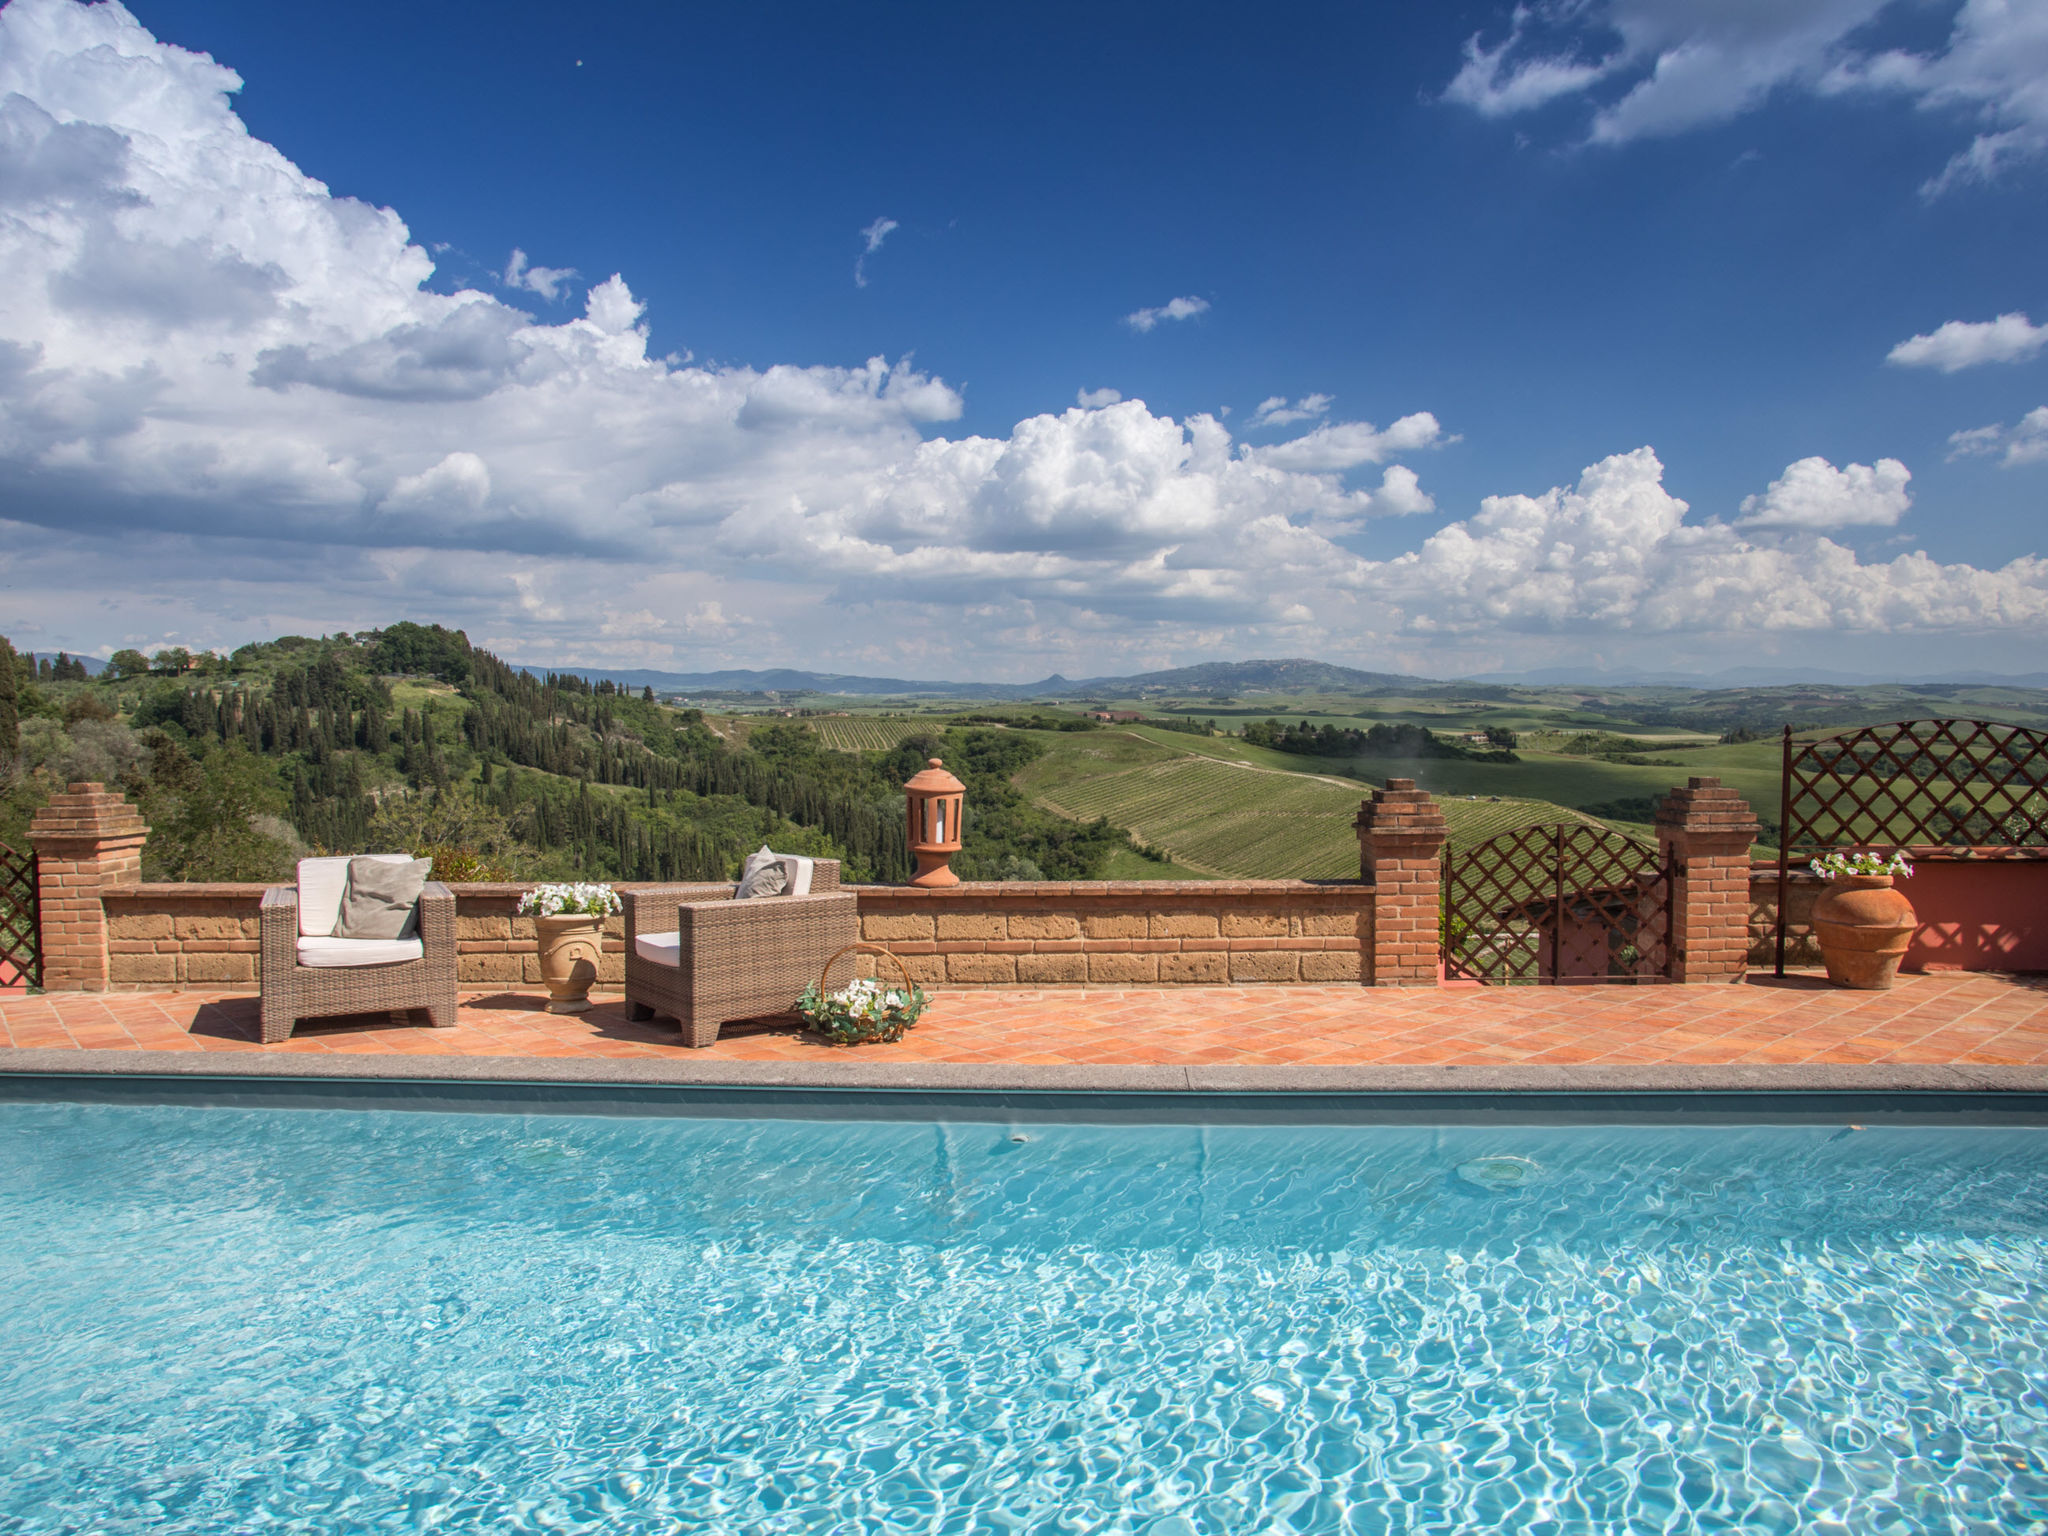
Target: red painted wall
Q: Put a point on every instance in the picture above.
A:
(1978, 915)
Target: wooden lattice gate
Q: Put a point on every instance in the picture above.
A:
(1568, 902)
(21, 948)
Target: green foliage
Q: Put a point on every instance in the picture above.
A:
(203, 815)
(1037, 722)
(507, 775)
(1397, 740)
(10, 699)
(465, 837)
(86, 706)
(1609, 748)
(126, 664)
(422, 650)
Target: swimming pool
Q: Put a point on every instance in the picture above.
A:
(267, 1319)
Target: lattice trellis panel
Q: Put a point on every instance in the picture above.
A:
(1566, 902)
(1975, 783)
(21, 956)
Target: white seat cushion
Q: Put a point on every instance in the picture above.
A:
(322, 884)
(661, 948)
(328, 951)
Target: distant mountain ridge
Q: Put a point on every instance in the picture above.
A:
(1291, 675)
(1749, 677)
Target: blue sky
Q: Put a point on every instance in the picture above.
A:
(1473, 252)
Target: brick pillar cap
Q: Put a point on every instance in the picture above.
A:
(1703, 781)
(87, 812)
(1400, 783)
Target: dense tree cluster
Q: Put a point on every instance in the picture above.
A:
(1398, 740)
(63, 668)
(408, 736)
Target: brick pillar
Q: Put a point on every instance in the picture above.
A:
(85, 840)
(1400, 846)
(1706, 829)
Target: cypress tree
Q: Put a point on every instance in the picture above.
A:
(10, 699)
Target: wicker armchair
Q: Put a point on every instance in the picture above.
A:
(307, 975)
(695, 955)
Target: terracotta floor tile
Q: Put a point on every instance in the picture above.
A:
(1948, 1016)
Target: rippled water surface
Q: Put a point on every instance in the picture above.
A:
(225, 1320)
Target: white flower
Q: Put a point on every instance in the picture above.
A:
(583, 899)
(1837, 865)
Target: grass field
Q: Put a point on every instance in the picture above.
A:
(1750, 769)
(1221, 816)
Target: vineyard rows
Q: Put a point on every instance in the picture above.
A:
(1231, 821)
(868, 733)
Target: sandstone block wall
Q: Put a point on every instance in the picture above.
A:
(1124, 934)
(182, 936)
(206, 936)
(1015, 934)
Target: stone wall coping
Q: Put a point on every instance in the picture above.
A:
(979, 890)
(185, 890)
(172, 890)
(1042, 890)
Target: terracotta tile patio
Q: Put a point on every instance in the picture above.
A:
(1933, 1019)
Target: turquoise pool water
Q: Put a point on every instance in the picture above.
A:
(219, 1320)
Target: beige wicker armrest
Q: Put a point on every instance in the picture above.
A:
(762, 912)
(653, 908)
(437, 917)
(277, 928)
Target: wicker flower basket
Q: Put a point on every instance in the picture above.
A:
(866, 1010)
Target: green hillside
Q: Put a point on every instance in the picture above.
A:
(409, 737)
(1209, 806)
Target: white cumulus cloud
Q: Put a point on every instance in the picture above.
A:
(1616, 553)
(2025, 442)
(461, 482)
(1274, 411)
(2011, 338)
(549, 282)
(1173, 309)
(1341, 445)
(231, 406)
(1651, 67)
(1096, 399)
(1814, 494)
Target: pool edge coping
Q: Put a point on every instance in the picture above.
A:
(1593, 1080)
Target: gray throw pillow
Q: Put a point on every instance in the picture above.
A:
(382, 899)
(762, 875)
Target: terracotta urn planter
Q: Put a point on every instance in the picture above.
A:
(1863, 926)
(570, 946)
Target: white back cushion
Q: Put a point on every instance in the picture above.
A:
(799, 869)
(322, 884)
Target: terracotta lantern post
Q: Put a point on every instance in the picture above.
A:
(932, 800)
